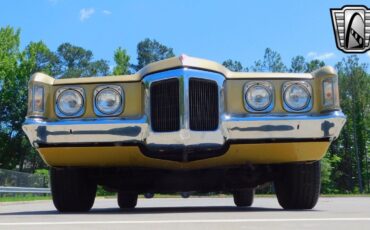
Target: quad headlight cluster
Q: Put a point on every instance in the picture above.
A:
(259, 96)
(108, 101)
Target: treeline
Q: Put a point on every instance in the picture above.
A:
(344, 169)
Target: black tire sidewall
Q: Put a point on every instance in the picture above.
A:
(72, 189)
(244, 198)
(127, 200)
(298, 185)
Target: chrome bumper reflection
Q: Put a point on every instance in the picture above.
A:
(284, 127)
(124, 131)
(85, 131)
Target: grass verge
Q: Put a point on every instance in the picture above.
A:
(23, 198)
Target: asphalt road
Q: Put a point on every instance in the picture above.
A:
(192, 213)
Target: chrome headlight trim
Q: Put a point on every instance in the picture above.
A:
(59, 92)
(269, 88)
(307, 87)
(116, 88)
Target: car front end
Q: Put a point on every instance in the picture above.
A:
(184, 115)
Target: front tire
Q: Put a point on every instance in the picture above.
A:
(127, 200)
(298, 185)
(149, 195)
(72, 190)
(185, 195)
(244, 198)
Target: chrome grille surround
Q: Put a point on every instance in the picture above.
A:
(185, 138)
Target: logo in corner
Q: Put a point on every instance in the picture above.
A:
(352, 28)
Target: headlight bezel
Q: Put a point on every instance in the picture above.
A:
(80, 92)
(307, 87)
(269, 88)
(116, 88)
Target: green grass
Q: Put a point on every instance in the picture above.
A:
(23, 198)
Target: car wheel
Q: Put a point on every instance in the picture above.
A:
(298, 185)
(185, 195)
(72, 190)
(243, 198)
(148, 195)
(127, 199)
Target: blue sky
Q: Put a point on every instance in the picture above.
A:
(211, 29)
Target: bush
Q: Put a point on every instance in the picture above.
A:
(326, 173)
(102, 192)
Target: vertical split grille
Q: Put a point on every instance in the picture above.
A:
(203, 104)
(164, 104)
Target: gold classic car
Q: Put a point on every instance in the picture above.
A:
(184, 124)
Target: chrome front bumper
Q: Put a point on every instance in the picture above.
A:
(232, 128)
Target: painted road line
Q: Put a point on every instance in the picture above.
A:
(184, 221)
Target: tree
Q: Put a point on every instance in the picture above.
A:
(122, 60)
(272, 62)
(352, 144)
(12, 94)
(9, 51)
(75, 61)
(327, 170)
(97, 68)
(37, 57)
(149, 51)
(298, 65)
(314, 65)
(235, 66)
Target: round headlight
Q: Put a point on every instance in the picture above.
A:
(258, 97)
(70, 102)
(108, 101)
(297, 96)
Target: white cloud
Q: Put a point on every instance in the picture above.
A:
(107, 12)
(86, 13)
(368, 53)
(322, 56)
